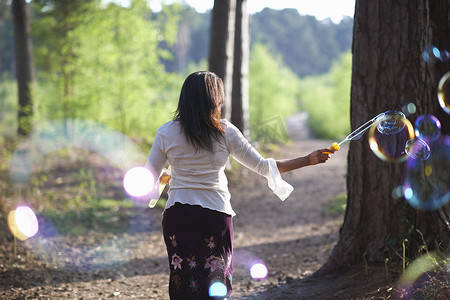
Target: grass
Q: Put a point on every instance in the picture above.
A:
(337, 205)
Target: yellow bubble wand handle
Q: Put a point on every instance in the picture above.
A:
(335, 147)
(164, 179)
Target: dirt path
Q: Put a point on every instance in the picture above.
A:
(292, 238)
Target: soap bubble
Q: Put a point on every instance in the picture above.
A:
(444, 92)
(391, 122)
(258, 271)
(138, 181)
(426, 181)
(23, 223)
(417, 149)
(427, 128)
(217, 289)
(388, 139)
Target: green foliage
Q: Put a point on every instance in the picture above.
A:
(338, 205)
(8, 107)
(104, 65)
(326, 98)
(109, 215)
(273, 91)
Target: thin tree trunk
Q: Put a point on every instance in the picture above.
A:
(221, 47)
(388, 73)
(24, 65)
(240, 96)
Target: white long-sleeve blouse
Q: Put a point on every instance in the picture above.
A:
(198, 177)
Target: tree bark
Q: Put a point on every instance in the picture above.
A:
(240, 96)
(24, 65)
(388, 73)
(221, 47)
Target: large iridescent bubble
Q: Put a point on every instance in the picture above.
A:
(388, 139)
(426, 184)
(444, 92)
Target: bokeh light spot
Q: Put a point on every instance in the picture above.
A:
(428, 171)
(217, 289)
(23, 223)
(408, 193)
(138, 181)
(444, 92)
(258, 271)
(397, 192)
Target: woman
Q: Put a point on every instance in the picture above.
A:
(197, 220)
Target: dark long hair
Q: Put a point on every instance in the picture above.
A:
(199, 107)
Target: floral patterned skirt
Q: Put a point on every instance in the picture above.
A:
(199, 245)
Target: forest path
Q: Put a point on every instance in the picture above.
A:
(292, 238)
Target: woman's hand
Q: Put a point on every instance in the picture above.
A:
(319, 156)
(314, 158)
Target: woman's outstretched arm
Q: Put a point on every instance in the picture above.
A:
(315, 157)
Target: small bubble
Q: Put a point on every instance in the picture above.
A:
(427, 128)
(417, 149)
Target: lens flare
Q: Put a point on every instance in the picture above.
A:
(417, 149)
(425, 278)
(388, 139)
(258, 271)
(23, 223)
(426, 181)
(427, 128)
(53, 136)
(138, 182)
(444, 92)
(217, 289)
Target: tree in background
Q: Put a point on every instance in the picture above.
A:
(221, 45)
(240, 90)
(24, 65)
(388, 72)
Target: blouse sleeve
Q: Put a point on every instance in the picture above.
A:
(155, 163)
(241, 150)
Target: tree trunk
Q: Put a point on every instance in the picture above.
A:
(389, 73)
(221, 47)
(240, 97)
(24, 65)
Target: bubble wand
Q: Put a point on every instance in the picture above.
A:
(356, 134)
